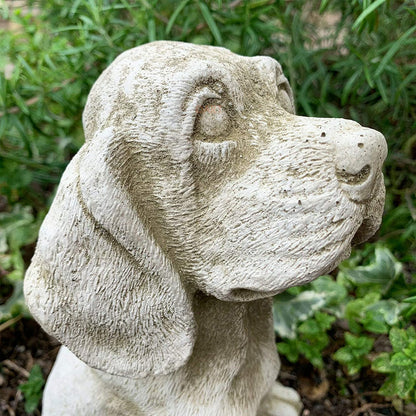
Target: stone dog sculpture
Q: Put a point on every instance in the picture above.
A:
(198, 195)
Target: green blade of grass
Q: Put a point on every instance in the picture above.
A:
(411, 299)
(349, 86)
(323, 6)
(210, 22)
(367, 12)
(393, 50)
(151, 28)
(28, 68)
(367, 74)
(175, 14)
(256, 4)
(74, 7)
(382, 91)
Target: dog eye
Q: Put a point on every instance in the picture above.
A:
(212, 120)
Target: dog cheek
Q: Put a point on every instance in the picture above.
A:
(285, 208)
(259, 242)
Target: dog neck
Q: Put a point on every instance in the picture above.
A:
(233, 363)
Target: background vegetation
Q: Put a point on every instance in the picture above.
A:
(344, 58)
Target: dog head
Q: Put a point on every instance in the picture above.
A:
(196, 175)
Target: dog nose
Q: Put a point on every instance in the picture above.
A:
(360, 153)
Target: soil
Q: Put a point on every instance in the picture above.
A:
(22, 345)
(324, 393)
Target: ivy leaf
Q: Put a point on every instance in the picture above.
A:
(389, 309)
(309, 327)
(343, 355)
(383, 271)
(14, 226)
(324, 320)
(401, 364)
(312, 353)
(355, 309)
(289, 310)
(334, 292)
(382, 314)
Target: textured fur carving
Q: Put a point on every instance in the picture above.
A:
(197, 196)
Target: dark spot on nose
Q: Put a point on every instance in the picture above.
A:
(323, 134)
(360, 145)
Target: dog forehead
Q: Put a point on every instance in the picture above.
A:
(168, 63)
(178, 55)
(163, 72)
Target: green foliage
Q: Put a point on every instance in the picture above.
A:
(373, 314)
(367, 310)
(379, 275)
(14, 306)
(362, 298)
(18, 229)
(32, 389)
(361, 66)
(400, 364)
(354, 354)
(291, 309)
(311, 340)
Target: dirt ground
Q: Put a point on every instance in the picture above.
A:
(328, 393)
(22, 346)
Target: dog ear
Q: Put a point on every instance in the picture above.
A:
(100, 283)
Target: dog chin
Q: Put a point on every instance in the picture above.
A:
(273, 282)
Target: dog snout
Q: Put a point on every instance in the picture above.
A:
(360, 153)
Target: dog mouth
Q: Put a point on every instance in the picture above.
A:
(366, 230)
(373, 214)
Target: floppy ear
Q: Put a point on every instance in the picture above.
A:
(100, 283)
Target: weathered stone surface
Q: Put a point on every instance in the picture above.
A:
(198, 195)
